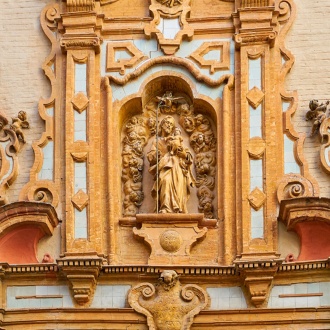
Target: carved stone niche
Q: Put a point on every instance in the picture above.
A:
(168, 305)
(182, 178)
(169, 168)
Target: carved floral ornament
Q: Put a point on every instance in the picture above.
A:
(181, 155)
(12, 139)
(319, 115)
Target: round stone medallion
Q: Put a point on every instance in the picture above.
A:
(170, 240)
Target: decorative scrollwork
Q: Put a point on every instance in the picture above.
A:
(148, 290)
(317, 113)
(171, 306)
(51, 13)
(41, 196)
(41, 191)
(293, 186)
(296, 190)
(12, 138)
(46, 190)
(284, 7)
(226, 78)
(191, 291)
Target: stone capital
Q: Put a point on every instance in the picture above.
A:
(255, 26)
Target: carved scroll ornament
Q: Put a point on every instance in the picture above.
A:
(38, 189)
(317, 114)
(168, 305)
(11, 140)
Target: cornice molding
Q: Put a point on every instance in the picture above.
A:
(207, 272)
(21, 213)
(302, 209)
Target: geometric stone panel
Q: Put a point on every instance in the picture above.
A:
(113, 64)
(221, 63)
(256, 147)
(80, 102)
(256, 198)
(80, 200)
(255, 97)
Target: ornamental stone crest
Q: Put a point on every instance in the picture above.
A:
(168, 305)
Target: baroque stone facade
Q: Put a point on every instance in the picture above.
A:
(169, 186)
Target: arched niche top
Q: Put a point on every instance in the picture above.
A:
(309, 217)
(41, 215)
(157, 85)
(22, 225)
(132, 106)
(166, 82)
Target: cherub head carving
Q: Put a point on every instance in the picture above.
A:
(168, 279)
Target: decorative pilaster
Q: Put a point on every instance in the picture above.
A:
(84, 230)
(260, 145)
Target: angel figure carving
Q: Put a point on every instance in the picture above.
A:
(18, 123)
(317, 113)
(166, 102)
(170, 163)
